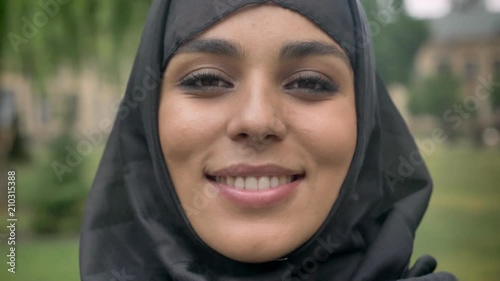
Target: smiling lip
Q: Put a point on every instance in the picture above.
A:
(243, 170)
(256, 199)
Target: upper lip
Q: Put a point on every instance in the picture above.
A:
(257, 170)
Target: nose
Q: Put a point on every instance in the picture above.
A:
(258, 118)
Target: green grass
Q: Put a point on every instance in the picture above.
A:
(37, 258)
(43, 260)
(462, 225)
(461, 228)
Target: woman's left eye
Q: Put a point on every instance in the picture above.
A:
(305, 83)
(311, 83)
(210, 82)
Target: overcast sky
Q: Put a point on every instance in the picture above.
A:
(438, 8)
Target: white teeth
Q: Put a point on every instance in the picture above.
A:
(251, 183)
(254, 183)
(264, 183)
(282, 180)
(239, 183)
(275, 182)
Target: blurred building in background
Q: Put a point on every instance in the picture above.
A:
(465, 43)
(85, 95)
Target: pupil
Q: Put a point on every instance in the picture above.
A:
(307, 84)
(209, 82)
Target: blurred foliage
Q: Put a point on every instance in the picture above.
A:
(82, 30)
(495, 101)
(495, 94)
(396, 38)
(435, 94)
(58, 205)
(19, 151)
(3, 24)
(59, 201)
(42, 35)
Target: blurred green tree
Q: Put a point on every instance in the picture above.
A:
(42, 35)
(396, 38)
(495, 100)
(38, 37)
(19, 151)
(3, 23)
(58, 199)
(436, 95)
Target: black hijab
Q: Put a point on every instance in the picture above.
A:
(135, 228)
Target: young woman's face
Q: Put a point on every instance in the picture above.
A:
(257, 124)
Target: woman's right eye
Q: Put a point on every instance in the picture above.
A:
(205, 81)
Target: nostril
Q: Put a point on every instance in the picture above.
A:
(243, 136)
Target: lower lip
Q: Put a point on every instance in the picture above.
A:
(258, 199)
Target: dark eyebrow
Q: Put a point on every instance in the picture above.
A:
(294, 49)
(212, 46)
(299, 49)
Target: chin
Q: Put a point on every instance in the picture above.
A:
(257, 247)
(256, 255)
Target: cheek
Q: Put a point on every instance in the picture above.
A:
(185, 131)
(329, 133)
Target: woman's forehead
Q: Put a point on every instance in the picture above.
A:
(286, 35)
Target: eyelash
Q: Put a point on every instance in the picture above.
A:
(192, 82)
(326, 85)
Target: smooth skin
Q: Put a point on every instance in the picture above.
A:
(264, 85)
